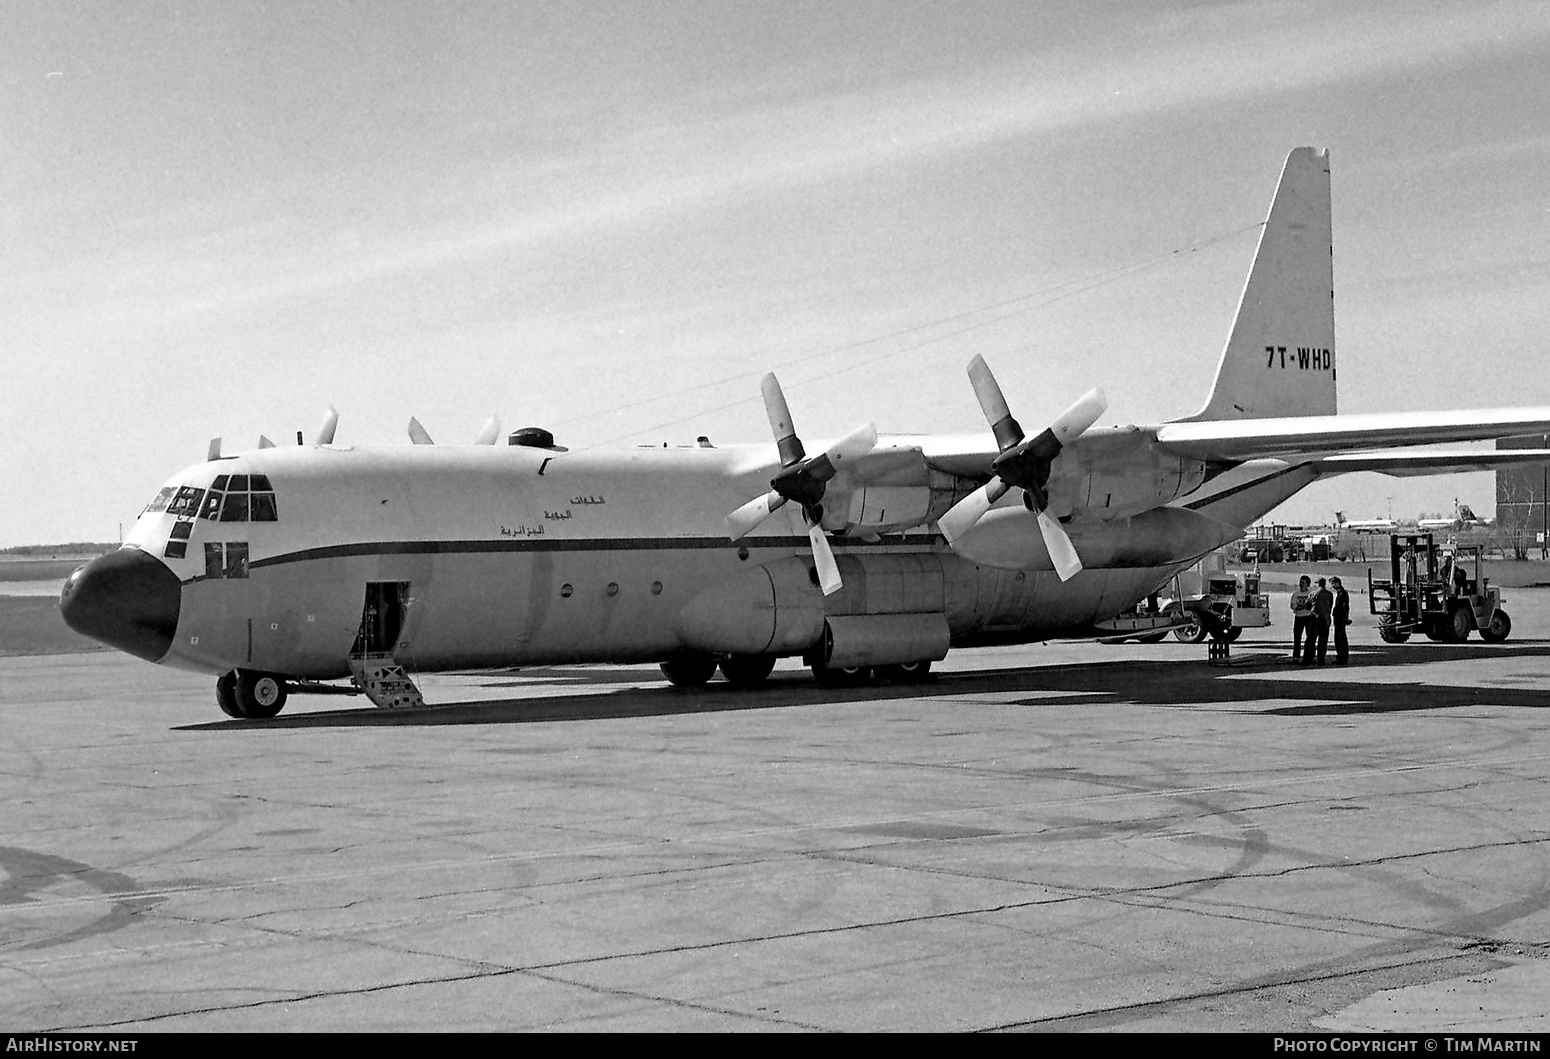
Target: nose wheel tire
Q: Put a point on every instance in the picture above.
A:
(247, 695)
(226, 694)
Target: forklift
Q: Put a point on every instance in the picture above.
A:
(1439, 592)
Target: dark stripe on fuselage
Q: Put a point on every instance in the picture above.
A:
(601, 544)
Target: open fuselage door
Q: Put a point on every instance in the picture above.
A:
(372, 663)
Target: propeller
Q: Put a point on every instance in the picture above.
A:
(490, 432)
(325, 434)
(487, 434)
(1023, 464)
(801, 480)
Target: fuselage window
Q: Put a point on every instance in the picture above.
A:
(226, 559)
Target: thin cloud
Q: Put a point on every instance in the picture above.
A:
(763, 141)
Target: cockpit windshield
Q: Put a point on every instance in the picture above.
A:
(230, 498)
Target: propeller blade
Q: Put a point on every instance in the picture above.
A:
(962, 516)
(490, 432)
(264, 443)
(751, 515)
(325, 434)
(823, 560)
(1081, 415)
(855, 444)
(213, 453)
(1061, 551)
(993, 403)
(786, 440)
(418, 434)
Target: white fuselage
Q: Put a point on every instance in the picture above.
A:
(513, 556)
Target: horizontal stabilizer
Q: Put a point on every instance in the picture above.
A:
(1247, 439)
(1433, 461)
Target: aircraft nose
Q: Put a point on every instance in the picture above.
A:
(126, 599)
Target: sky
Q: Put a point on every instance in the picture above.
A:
(611, 219)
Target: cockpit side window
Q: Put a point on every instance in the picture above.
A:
(163, 498)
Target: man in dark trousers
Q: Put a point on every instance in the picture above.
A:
(1302, 617)
(1323, 608)
(1341, 616)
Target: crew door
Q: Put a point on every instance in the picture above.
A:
(382, 618)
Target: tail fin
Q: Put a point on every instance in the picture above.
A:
(1280, 357)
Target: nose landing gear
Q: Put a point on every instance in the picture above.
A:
(247, 695)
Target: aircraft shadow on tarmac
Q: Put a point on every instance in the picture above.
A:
(1139, 681)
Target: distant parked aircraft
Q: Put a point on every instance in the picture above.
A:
(1365, 525)
(1464, 517)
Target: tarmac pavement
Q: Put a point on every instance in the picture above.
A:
(1061, 836)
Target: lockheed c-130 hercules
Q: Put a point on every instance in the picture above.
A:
(282, 567)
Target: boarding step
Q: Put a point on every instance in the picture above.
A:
(384, 682)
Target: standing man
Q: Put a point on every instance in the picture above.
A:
(1302, 617)
(1341, 616)
(1323, 608)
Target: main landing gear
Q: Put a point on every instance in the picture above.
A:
(244, 694)
(741, 671)
(751, 671)
(850, 677)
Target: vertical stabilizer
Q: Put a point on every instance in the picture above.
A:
(1280, 357)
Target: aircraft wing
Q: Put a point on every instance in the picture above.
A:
(1246, 439)
(1433, 461)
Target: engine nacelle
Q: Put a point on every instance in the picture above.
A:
(901, 490)
(1119, 474)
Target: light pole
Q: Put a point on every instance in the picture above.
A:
(1544, 506)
